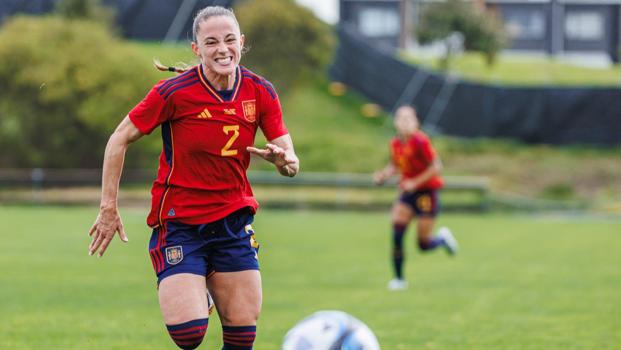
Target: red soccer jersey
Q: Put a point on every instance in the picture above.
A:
(413, 156)
(202, 170)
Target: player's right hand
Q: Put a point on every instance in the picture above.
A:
(379, 178)
(107, 224)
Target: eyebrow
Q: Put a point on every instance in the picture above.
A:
(225, 37)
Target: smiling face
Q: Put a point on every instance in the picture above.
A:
(406, 121)
(218, 45)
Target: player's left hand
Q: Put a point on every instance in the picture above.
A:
(286, 162)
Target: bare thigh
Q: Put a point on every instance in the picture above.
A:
(237, 296)
(183, 298)
(401, 213)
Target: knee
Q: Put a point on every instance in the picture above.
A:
(246, 317)
(188, 335)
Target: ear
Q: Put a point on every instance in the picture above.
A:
(242, 41)
(195, 49)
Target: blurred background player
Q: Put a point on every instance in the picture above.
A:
(415, 159)
(202, 203)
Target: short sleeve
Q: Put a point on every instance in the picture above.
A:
(270, 112)
(427, 152)
(152, 111)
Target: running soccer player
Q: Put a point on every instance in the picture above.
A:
(202, 203)
(415, 159)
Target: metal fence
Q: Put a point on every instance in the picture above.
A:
(306, 190)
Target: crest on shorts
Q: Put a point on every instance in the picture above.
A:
(250, 110)
(174, 255)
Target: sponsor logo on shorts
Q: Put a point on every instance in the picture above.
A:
(174, 255)
(424, 203)
(253, 242)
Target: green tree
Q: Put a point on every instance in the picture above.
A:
(481, 29)
(286, 42)
(84, 9)
(65, 86)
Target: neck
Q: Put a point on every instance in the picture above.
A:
(218, 81)
(405, 136)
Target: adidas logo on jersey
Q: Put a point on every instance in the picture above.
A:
(204, 114)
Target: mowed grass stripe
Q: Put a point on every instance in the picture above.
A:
(520, 282)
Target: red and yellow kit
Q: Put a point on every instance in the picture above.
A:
(202, 169)
(413, 156)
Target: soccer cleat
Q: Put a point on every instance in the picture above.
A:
(397, 284)
(210, 304)
(450, 243)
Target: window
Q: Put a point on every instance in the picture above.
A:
(525, 23)
(584, 25)
(377, 21)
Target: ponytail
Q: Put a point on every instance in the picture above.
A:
(158, 65)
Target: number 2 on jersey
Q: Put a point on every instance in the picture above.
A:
(226, 150)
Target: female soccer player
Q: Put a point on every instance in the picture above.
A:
(414, 157)
(202, 204)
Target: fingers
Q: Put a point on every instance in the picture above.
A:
(122, 234)
(260, 152)
(270, 152)
(92, 230)
(269, 149)
(275, 149)
(104, 245)
(290, 160)
(96, 243)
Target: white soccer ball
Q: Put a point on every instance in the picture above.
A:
(330, 330)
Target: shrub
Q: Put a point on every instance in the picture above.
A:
(85, 9)
(286, 41)
(481, 29)
(65, 86)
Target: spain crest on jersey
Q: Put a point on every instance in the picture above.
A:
(174, 255)
(250, 110)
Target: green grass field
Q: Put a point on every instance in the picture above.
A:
(521, 282)
(523, 70)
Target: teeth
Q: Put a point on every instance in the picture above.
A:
(225, 60)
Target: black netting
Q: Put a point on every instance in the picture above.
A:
(546, 114)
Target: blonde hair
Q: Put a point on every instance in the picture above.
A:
(201, 16)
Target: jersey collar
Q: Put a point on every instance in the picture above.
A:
(212, 91)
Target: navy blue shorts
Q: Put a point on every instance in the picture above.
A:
(423, 203)
(226, 245)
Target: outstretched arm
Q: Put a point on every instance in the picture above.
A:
(108, 221)
(386, 173)
(280, 152)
